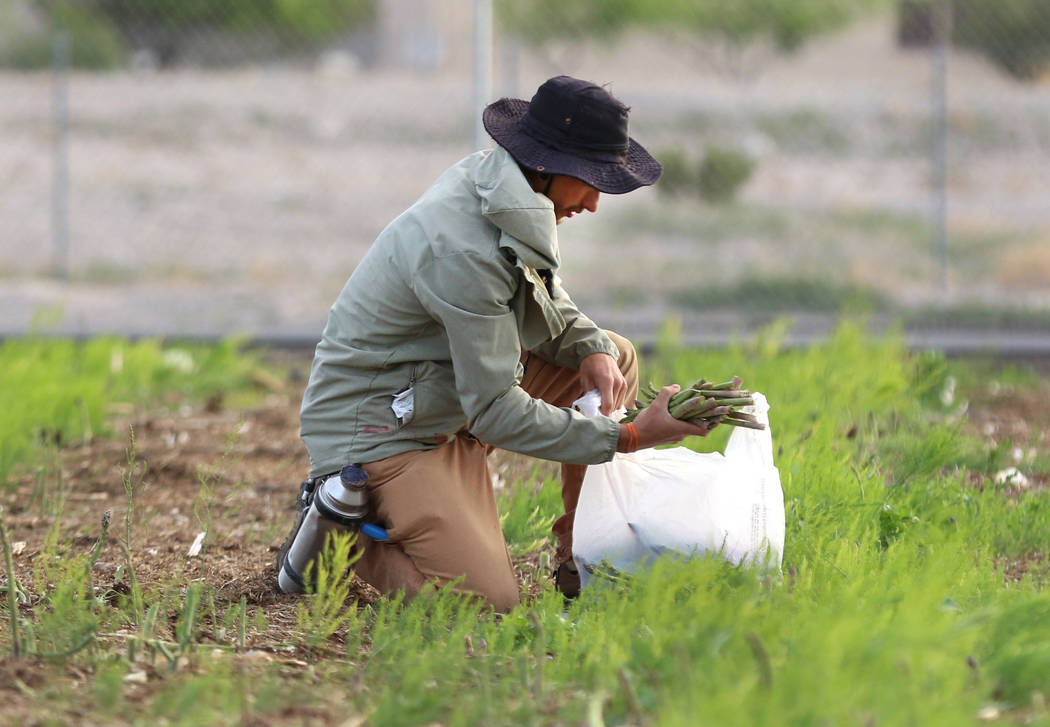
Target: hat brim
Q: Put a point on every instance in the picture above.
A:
(639, 168)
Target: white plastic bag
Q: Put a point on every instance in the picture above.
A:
(641, 505)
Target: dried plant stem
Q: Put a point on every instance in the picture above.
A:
(12, 598)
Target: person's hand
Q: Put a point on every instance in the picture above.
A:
(655, 425)
(599, 371)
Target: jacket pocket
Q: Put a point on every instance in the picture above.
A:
(435, 401)
(404, 406)
(538, 318)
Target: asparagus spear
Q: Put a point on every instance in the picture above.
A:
(705, 403)
(733, 421)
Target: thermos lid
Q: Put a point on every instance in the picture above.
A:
(345, 494)
(353, 476)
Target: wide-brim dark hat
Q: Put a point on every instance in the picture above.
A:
(575, 128)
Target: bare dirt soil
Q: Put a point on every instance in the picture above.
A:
(204, 469)
(1018, 418)
(230, 472)
(234, 474)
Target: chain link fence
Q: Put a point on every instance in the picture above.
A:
(206, 168)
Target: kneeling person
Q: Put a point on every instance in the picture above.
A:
(454, 336)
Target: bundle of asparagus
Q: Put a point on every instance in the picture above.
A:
(705, 403)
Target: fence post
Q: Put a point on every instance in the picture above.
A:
(942, 29)
(60, 155)
(482, 67)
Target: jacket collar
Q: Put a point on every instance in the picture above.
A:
(526, 217)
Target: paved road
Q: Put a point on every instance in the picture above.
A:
(293, 316)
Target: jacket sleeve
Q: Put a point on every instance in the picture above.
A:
(581, 336)
(469, 295)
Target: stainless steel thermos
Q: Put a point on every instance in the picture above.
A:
(339, 504)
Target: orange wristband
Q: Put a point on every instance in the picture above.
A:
(632, 437)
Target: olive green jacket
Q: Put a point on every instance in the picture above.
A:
(439, 312)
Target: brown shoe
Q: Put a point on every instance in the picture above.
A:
(567, 579)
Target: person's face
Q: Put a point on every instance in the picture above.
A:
(571, 196)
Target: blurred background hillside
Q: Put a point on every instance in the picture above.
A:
(205, 168)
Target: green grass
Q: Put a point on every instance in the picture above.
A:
(891, 609)
(55, 392)
(772, 294)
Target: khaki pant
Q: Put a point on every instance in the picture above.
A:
(440, 510)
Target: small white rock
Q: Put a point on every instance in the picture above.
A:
(1011, 476)
(195, 548)
(136, 677)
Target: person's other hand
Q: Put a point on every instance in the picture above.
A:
(655, 425)
(599, 371)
